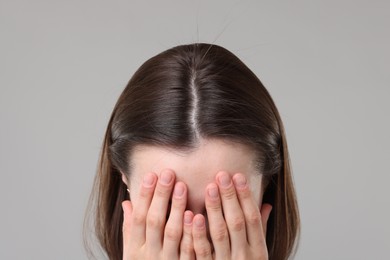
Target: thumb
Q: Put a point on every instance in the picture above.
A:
(127, 211)
(265, 211)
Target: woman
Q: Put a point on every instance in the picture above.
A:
(195, 164)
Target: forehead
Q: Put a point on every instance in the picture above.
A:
(195, 168)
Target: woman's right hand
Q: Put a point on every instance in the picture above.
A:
(146, 232)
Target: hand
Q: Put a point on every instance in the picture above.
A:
(146, 233)
(237, 227)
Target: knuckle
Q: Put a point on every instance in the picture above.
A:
(187, 248)
(238, 223)
(254, 218)
(197, 235)
(173, 234)
(203, 251)
(145, 193)
(187, 231)
(219, 231)
(154, 222)
(221, 235)
(229, 194)
(245, 194)
(163, 192)
(214, 207)
(139, 219)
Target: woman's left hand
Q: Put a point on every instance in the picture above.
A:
(237, 226)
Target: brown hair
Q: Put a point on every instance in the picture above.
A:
(176, 97)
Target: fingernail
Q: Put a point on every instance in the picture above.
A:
(187, 218)
(199, 222)
(240, 181)
(179, 190)
(224, 179)
(148, 179)
(166, 177)
(213, 192)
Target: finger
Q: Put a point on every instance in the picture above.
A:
(233, 214)
(155, 220)
(265, 212)
(217, 225)
(174, 226)
(187, 246)
(250, 209)
(140, 210)
(127, 211)
(202, 246)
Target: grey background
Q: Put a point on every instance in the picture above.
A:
(63, 65)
